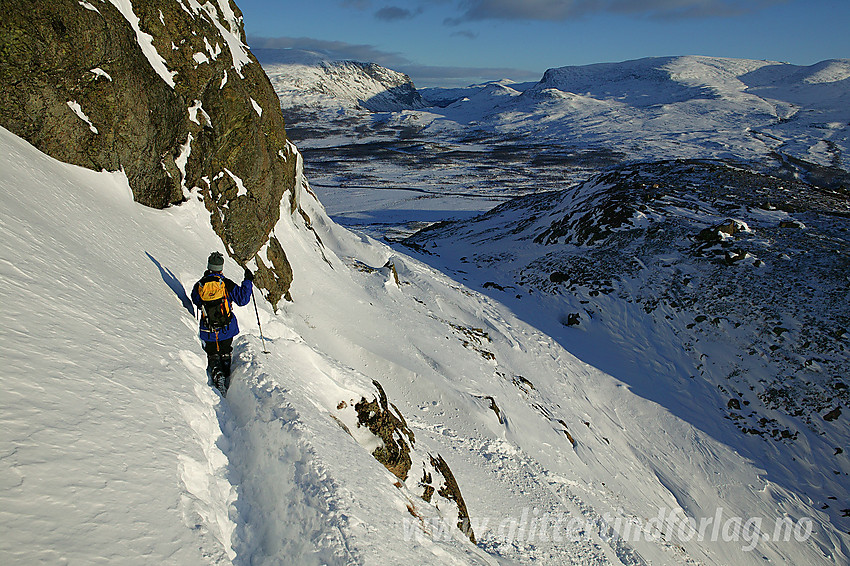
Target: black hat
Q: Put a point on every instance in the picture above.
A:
(215, 262)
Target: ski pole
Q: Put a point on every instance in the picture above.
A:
(257, 311)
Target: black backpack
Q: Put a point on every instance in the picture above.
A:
(215, 306)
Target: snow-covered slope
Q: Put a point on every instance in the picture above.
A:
(721, 294)
(307, 79)
(443, 97)
(114, 448)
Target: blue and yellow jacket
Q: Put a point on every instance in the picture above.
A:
(239, 294)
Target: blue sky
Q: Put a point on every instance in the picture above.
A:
(459, 42)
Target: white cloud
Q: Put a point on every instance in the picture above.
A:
(421, 74)
(333, 50)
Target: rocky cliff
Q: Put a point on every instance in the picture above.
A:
(166, 91)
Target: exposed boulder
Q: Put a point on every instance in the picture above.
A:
(572, 319)
(385, 421)
(832, 415)
(719, 232)
(169, 93)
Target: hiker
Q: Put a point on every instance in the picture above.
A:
(214, 295)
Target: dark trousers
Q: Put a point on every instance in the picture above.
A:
(218, 359)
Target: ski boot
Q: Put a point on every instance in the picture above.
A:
(219, 381)
(225, 371)
(217, 372)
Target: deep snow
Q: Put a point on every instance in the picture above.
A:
(115, 449)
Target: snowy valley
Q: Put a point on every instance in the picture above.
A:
(550, 372)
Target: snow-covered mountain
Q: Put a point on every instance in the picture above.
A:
(116, 449)
(748, 107)
(442, 97)
(720, 293)
(309, 80)
(655, 108)
(479, 146)
(677, 107)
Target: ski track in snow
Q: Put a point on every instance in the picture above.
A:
(286, 504)
(261, 489)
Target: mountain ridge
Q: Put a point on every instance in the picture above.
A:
(305, 78)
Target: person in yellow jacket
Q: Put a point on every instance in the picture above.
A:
(214, 295)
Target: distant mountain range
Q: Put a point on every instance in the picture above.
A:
(654, 108)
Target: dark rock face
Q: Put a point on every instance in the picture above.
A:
(166, 91)
(48, 51)
(400, 91)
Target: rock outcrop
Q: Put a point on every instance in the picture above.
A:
(166, 91)
(385, 421)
